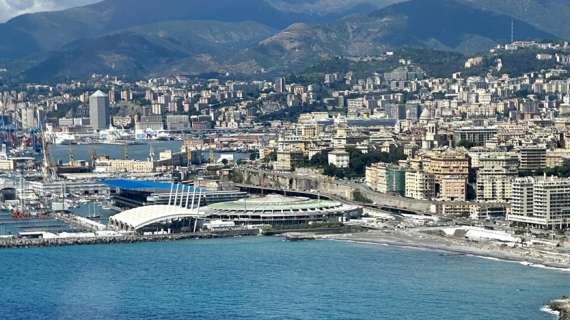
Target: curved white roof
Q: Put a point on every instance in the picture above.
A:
(141, 217)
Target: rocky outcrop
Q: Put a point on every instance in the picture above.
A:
(562, 306)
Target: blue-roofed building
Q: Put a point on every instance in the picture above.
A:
(130, 194)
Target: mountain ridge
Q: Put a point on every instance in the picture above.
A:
(231, 42)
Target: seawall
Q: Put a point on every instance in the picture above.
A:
(59, 242)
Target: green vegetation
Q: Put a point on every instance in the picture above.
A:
(359, 197)
(254, 155)
(270, 157)
(524, 61)
(343, 65)
(436, 64)
(560, 171)
(64, 109)
(439, 64)
(465, 144)
(292, 114)
(358, 162)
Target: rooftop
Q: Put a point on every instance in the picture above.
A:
(99, 93)
(275, 202)
(142, 185)
(141, 217)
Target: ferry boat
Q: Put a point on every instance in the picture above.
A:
(64, 139)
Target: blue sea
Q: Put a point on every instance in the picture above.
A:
(267, 278)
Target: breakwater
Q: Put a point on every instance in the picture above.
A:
(130, 238)
(6, 243)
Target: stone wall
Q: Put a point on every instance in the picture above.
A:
(306, 182)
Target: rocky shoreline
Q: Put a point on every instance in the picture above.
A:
(562, 307)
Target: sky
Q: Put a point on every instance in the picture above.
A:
(12, 8)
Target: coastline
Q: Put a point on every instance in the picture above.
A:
(62, 242)
(560, 308)
(418, 240)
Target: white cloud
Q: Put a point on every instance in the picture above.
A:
(12, 8)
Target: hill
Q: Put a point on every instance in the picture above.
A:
(143, 37)
(146, 50)
(33, 33)
(433, 24)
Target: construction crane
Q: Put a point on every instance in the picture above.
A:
(47, 168)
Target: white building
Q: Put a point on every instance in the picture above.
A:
(541, 202)
(339, 158)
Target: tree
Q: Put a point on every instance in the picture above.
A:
(271, 157)
(358, 162)
(466, 144)
(254, 155)
(359, 197)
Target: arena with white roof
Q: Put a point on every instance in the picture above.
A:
(268, 210)
(142, 217)
(181, 213)
(277, 210)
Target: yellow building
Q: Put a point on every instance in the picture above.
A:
(420, 185)
(7, 165)
(288, 160)
(310, 131)
(108, 165)
(495, 176)
(557, 157)
(448, 163)
(450, 170)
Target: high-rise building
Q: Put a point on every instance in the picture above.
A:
(99, 110)
(532, 158)
(280, 85)
(541, 202)
(29, 118)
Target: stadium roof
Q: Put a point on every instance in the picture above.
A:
(140, 217)
(275, 202)
(145, 185)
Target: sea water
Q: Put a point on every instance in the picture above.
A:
(267, 278)
(62, 153)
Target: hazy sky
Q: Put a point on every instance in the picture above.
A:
(12, 8)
